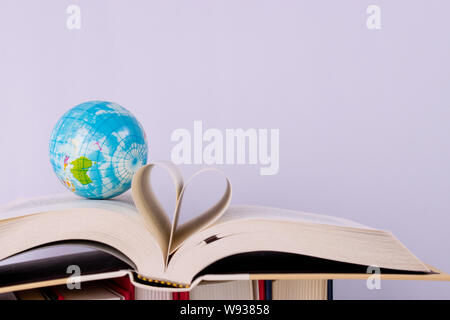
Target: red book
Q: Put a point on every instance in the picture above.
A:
(126, 294)
(261, 290)
(90, 290)
(125, 283)
(184, 295)
(175, 296)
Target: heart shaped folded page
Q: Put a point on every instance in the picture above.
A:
(171, 235)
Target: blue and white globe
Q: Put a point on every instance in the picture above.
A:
(95, 149)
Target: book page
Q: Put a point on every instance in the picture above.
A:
(268, 213)
(180, 233)
(123, 203)
(155, 217)
(170, 235)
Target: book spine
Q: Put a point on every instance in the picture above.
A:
(329, 289)
(126, 284)
(146, 280)
(261, 290)
(175, 296)
(184, 295)
(268, 289)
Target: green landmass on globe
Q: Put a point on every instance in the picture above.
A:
(80, 169)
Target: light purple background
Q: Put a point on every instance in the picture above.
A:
(363, 115)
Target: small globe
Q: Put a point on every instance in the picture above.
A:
(95, 149)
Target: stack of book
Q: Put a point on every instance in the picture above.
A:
(227, 252)
(122, 289)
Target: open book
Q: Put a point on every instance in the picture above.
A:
(224, 242)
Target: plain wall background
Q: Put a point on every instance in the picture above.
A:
(363, 115)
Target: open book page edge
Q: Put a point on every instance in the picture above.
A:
(432, 276)
(35, 205)
(277, 214)
(425, 266)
